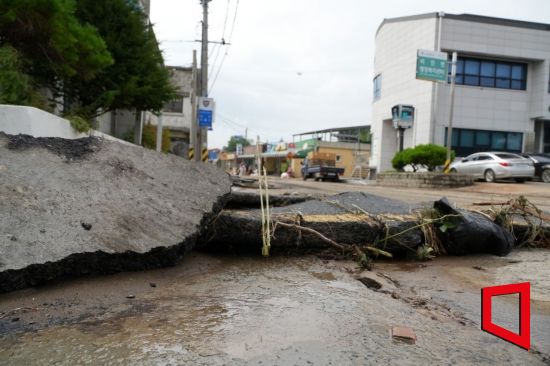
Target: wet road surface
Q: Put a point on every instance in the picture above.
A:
(212, 310)
(536, 192)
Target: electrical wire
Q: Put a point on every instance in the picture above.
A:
(234, 19)
(225, 54)
(223, 35)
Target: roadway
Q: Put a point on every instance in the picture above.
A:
(537, 192)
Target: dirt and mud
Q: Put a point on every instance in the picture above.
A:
(216, 310)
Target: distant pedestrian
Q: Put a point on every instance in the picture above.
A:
(242, 169)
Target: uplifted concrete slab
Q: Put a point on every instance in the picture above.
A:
(73, 207)
(349, 202)
(346, 218)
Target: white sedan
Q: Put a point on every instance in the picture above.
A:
(491, 166)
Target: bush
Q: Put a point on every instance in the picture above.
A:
(78, 123)
(400, 159)
(149, 138)
(428, 156)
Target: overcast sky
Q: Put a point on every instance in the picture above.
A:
(296, 66)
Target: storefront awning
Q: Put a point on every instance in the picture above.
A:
(302, 154)
(276, 154)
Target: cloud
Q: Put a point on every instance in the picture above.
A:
(294, 66)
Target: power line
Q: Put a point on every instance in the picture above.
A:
(225, 54)
(218, 72)
(223, 35)
(230, 125)
(234, 19)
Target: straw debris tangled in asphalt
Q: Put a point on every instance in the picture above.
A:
(534, 228)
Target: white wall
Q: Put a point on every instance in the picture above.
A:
(35, 122)
(493, 108)
(475, 107)
(396, 48)
(117, 123)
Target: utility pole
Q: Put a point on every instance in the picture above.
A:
(204, 68)
(435, 84)
(194, 141)
(451, 110)
(159, 132)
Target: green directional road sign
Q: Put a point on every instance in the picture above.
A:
(431, 65)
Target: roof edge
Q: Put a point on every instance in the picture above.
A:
(470, 18)
(406, 18)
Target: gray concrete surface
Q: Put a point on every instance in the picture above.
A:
(346, 202)
(72, 207)
(536, 192)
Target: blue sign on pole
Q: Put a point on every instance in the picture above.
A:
(205, 118)
(212, 155)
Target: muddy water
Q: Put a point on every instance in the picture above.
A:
(276, 311)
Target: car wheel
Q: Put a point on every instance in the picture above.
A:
(304, 177)
(545, 176)
(489, 176)
(520, 180)
(453, 170)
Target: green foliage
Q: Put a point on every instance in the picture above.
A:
(365, 135)
(234, 141)
(149, 138)
(15, 86)
(129, 135)
(99, 55)
(137, 78)
(400, 159)
(447, 225)
(52, 43)
(424, 252)
(428, 155)
(78, 123)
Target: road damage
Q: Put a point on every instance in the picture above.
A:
(92, 206)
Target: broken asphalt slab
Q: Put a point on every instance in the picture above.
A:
(358, 218)
(90, 206)
(346, 218)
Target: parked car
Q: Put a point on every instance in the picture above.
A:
(542, 165)
(491, 166)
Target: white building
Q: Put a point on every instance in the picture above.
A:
(502, 95)
(177, 114)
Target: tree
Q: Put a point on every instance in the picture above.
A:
(428, 156)
(234, 141)
(15, 86)
(52, 44)
(137, 78)
(99, 55)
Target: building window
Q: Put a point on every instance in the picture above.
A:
(491, 73)
(468, 141)
(174, 106)
(338, 158)
(377, 86)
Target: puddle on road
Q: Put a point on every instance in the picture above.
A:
(280, 311)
